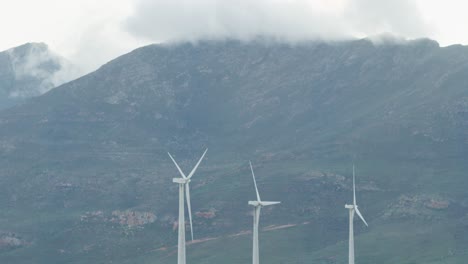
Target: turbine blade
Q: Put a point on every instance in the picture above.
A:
(177, 165)
(255, 183)
(189, 207)
(360, 215)
(196, 166)
(354, 188)
(269, 203)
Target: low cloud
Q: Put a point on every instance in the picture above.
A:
(36, 62)
(290, 20)
(243, 19)
(373, 17)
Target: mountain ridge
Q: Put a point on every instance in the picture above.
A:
(89, 157)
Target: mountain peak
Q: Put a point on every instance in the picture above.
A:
(29, 47)
(30, 70)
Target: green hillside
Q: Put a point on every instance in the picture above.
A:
(85, 177)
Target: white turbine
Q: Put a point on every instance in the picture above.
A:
(258, 204)
(184, 183)
(353, 208)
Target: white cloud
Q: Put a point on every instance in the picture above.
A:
(38, 62)
(159, 20)
(90, 32)
(86, 32)
(448, 19)
(400, 17)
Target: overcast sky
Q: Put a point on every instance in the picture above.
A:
(90, 33)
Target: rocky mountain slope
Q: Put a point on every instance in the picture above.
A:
(30, 70)
(85, 177)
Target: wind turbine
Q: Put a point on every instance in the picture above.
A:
(184, 183)
(353, 208)
(258, 204)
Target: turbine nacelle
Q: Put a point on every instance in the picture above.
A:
(349, 206)
(181, 180)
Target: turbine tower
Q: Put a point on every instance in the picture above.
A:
(258, 204)
(353, 208)
(184, 185)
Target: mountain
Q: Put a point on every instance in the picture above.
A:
(30, 70)
(85, 176)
